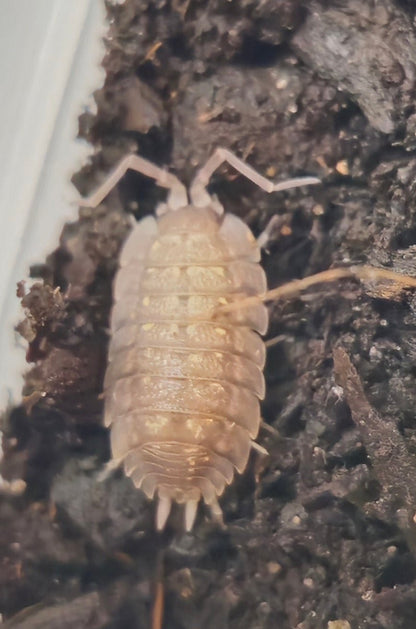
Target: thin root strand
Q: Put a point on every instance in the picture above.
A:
(360, 273)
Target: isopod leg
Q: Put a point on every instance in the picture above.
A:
(200, 197)
(258, 448)
(264, 238)
(177, 197)
(272, 431)
(108, 469)
(162, 513)
(216, 511)
(190, 513)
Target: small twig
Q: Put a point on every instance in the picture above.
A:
(151, 53)
(159, 597)
(361, 273)
(275, 340)
(393, 466)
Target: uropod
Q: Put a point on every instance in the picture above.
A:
(184, 380)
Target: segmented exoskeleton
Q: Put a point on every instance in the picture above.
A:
(182, 388)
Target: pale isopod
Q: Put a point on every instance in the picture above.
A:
(183, 388)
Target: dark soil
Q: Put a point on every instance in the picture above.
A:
(320, 534)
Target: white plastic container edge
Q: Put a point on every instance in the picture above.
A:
(50, 56)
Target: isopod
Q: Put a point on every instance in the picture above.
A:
(183, 387)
